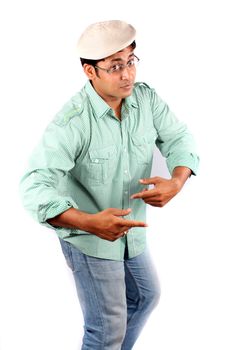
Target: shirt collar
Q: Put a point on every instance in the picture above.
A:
(130, 101)
(100, 107)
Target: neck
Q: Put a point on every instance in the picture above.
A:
(116, 106)
(114, 102)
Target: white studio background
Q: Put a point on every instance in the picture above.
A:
(186, 54)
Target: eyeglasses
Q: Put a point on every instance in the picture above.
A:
(118, 68)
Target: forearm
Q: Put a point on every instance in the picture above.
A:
(71, 218)
(108, 224)
(180, 175)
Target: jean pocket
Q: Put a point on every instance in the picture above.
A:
(66, 249)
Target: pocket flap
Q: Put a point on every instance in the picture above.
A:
(149, 136)
(100, 154)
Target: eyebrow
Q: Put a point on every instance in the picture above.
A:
(120, 59)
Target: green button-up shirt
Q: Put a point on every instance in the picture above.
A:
(90, 160)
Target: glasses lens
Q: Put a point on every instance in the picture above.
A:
(120, 67)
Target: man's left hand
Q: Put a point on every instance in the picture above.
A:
(164, 190)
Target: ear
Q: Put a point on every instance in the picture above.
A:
(89, 71)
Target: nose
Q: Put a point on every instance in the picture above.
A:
(125, 74)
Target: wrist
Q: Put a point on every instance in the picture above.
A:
(180, 175)
(177, 182)
(85, 221)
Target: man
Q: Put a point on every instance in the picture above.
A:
(88, 179)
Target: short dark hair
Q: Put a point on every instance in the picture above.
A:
(94, 62)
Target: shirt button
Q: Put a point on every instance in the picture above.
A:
(126, 172)
(126, 192)
(96, 160)
(125, 149)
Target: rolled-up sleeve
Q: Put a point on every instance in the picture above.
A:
(174, 141)
(49, 165)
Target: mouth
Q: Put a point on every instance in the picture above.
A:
(127, 86)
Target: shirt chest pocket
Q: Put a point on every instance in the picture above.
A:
(102, 165)
(143, 145)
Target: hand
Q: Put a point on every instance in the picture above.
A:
(164, 190)
(109, 224)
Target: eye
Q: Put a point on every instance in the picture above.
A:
(116, 68)
(130, 63)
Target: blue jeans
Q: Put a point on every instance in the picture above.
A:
(116, 297)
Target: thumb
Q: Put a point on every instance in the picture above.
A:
(121, 212)
(150, 181)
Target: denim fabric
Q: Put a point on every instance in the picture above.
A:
(116, 297)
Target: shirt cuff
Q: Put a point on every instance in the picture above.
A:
(189, 160)
(50, 210)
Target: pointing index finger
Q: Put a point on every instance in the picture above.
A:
(144, 194)
(134, 223)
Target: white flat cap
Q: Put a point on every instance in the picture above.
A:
(103, 39)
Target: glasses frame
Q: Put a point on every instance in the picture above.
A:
(122, 66)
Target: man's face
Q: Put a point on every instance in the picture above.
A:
(117, 85)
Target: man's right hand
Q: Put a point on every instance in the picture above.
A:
(109, 224)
